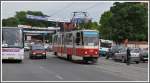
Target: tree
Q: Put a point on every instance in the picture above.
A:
(105, 27)
(89, 25)
(20, 18)
(125, 21)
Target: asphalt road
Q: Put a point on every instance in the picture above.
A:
(57, 69)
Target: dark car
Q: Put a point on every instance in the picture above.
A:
(114, 49)
(37, 51)
(144, 55)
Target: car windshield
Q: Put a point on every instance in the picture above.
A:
(135, 50)
(107, 45)
(38, 47)
(12, 37)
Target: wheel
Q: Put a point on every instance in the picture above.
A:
(137, 62)
(69, 57)
(19, 61)
(44, 57)
(30, 57)
(55, 53)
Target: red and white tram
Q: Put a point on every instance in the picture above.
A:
(81, 43)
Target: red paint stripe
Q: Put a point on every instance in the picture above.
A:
(79, 51)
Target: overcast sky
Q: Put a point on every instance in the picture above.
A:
(57, 9)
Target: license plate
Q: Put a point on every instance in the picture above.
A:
(38, 55)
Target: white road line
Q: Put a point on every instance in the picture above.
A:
(59, 77)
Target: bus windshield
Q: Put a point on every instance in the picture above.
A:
(90, 38)
(106, 45)
(12, 37)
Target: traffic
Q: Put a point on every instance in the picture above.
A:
(84, 44)
(74, 41)
(12, 44)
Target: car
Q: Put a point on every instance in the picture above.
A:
(114, 49)
(122, 55)
(103, 51)
(144, 55)
(37, 50)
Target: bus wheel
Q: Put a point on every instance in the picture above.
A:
(19, 61)
(69, 57)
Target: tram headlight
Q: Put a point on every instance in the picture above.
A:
(95, 52)
(33, 53)
(85, 52)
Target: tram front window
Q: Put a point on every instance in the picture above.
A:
(90, 38)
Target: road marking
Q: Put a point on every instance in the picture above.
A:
(59, 77)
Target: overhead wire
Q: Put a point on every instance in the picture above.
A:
(90, 7)
(62, 9)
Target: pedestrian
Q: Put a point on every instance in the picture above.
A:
(128, 56)
(108, 54)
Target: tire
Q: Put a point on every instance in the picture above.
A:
(137, 62)
(19, 61)
(69, 57)
(55, 53)
(44, 57)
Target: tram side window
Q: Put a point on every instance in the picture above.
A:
(78, 38)
(68, 38)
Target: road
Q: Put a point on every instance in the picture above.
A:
(57, 69)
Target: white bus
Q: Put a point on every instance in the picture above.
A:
(12, 44)
(104, 46)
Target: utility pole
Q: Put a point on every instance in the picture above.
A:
(79, 17)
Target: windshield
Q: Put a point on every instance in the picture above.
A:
(38, 47)
(106, 45)
(12, 37)
(90, 38)
(135, 50)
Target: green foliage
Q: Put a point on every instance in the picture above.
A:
(10, 22)
(125, 21)
(89, 25)
(20, 18)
